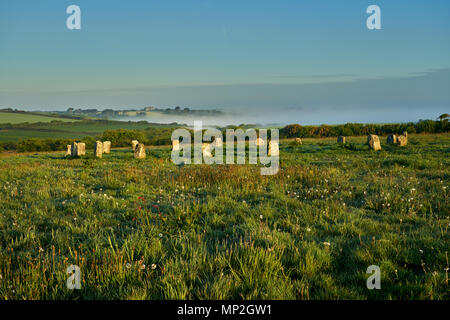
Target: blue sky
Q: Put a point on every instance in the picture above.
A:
(310, 56)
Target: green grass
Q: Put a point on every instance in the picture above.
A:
(225, 231)
(67, 130)
(8, 135)
(13, 118)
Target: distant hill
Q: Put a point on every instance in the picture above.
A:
(146, 112)
(17, 116)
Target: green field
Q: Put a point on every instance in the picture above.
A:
(148, 229)
(8, 135)
(69, 129)
(13, 118)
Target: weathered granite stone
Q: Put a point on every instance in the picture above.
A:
(74, 149)
(274, 149)
(218, 142)
(391, 139)
(259, 142)
(98, 149)
(206, 150)
(134, 143)
(341, 140)
(81, 148)
(78, 149)
(139, 152)
(176, 145)
(106, 146)
(374, 142)
(402, 140)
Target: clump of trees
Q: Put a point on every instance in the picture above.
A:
(36, 145)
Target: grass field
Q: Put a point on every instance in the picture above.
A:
(69, 129)
(147, 229)
(8, 135)
(13, 118)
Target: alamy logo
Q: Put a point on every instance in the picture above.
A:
(374, 20)
(374, 281)
(212, 152)
(74, 20)
(74, 281)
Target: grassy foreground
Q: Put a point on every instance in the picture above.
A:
(147, 229)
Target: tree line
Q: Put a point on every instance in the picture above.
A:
(359, 129)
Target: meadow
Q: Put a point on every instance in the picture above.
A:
(148, 229)
(71, 129)
(14, 118)
(16, 126)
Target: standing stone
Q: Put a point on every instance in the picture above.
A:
(205, 146)
(402, 140)
(98, 149)
(206, 150)
(139, 152)
(341, 140)
(176, 145)
(69, 150)
(134, 143)
(374, 142)
(259, 142)
(299, 140)
(391, 139)
(274, 149)
(218, 142)
(77, 149)
(106, 146)
(81, 148)
(74, 149)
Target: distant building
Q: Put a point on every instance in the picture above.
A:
(149, 108)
